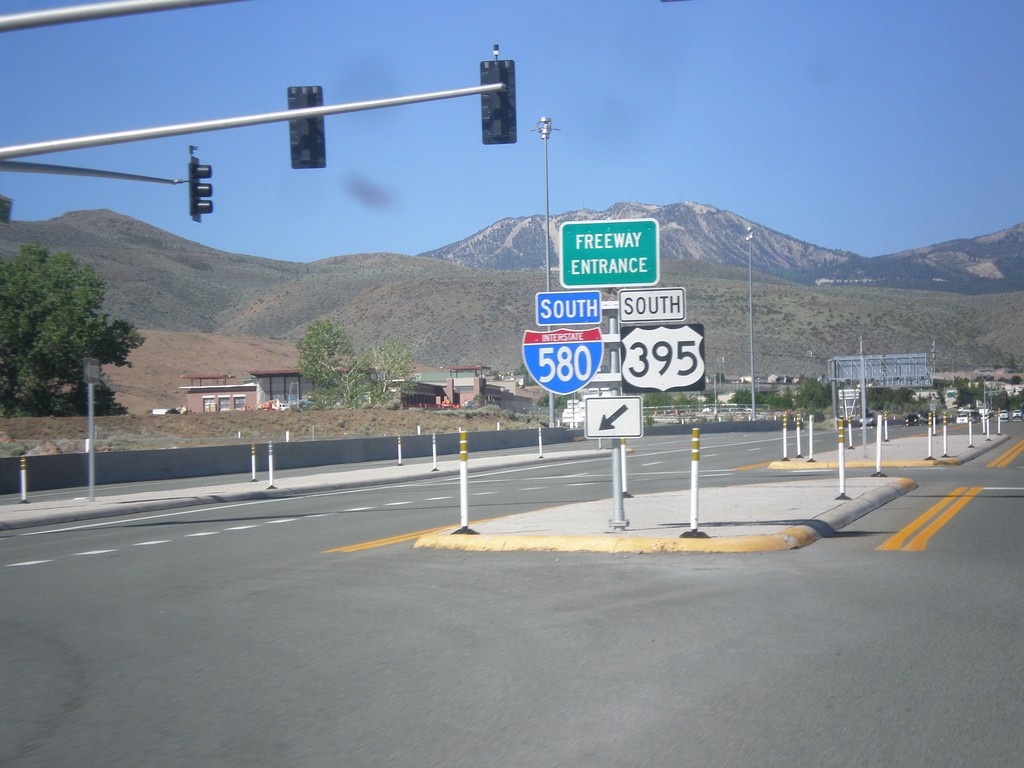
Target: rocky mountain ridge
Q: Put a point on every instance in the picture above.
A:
(451, 310)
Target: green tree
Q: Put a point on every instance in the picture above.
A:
(386, 363)
(325, 362)
(50, 321)
(812, 395)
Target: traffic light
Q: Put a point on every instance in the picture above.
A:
(499, 107)
(309, 149)
(199, 192)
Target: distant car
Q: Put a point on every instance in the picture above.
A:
(1016, 416)
(913, 419)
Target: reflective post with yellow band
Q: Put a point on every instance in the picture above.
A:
(463, 484)
(24, 481)
(799, 449)
(842, 462)
(694, 533)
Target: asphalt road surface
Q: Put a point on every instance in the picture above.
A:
(308, 632)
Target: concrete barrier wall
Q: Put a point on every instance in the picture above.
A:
(71, 470)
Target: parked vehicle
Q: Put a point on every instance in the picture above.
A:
(913, 419)
(1017, 416)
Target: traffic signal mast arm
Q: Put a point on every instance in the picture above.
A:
(69, 170)
(124, 137)
(51, 16)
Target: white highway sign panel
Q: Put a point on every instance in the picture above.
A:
(613, 417)
(663, 358)
(652, 305)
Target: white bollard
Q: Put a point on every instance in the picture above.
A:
(694, 532)
(252, 463)
(945, 435)
(464, 485)
(540, 443)
(878, 451)
(270, 463)
(799, 450)
(433, 449)
(399, 450)
(622, 463)
(785, 438)
(931, 431)
(842, 463)
(24, 481)
(810, 438)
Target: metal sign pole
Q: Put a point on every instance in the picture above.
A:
(91, 376)
(92, 446)
(618, 521)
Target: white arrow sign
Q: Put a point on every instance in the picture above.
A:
(613, 417)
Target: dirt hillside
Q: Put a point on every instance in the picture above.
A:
(154, 379)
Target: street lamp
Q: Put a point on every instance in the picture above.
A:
(544, 129)
(750, 296)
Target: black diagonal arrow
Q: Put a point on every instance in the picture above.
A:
(608, 422)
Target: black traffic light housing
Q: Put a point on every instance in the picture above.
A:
(309, 148)
(199, 192)
(499, 107)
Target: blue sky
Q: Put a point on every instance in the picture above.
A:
(871, 126)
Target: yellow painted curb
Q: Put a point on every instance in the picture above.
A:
(860, 464)
(791, 538)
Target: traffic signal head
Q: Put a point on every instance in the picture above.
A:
(499, 107)
(309, 148)
(199, 192)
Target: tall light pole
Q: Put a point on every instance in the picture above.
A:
(750, 298)
(544, 128)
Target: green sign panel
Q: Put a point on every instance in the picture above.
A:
(606, 254)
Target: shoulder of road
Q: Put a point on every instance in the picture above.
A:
(750, 517)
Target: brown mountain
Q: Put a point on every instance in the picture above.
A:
(451, 311)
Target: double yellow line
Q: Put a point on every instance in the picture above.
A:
(942, 512)
(1007, 458)
(385, 542)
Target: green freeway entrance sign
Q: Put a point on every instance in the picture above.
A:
(606, 254)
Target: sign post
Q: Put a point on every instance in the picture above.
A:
(91, 377)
